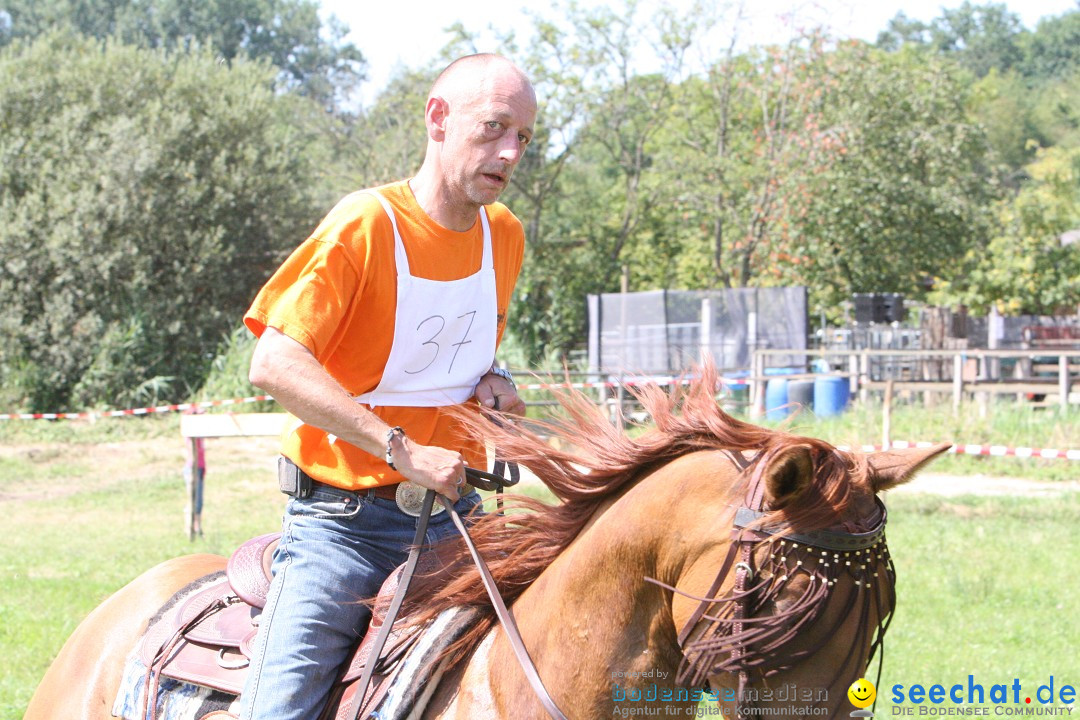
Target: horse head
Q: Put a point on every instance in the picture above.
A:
(788, 602)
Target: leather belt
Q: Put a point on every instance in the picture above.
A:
(386, 492)
(407, 495)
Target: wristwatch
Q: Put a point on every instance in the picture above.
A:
(504, 374)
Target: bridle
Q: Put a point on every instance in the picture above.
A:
(732, 638)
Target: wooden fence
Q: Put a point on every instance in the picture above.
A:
(963, 374)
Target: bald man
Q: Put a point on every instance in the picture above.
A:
(388, 315)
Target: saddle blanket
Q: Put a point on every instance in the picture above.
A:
(175, 700)
(413, 684)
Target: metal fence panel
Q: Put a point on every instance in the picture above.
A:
(667, 331)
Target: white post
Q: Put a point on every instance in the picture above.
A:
(995, 332)
(957, 381)
(757, 385)
(864, 377)
(1063, 381)
(886, 416)
(706, 329)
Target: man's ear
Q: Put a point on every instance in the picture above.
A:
(890, 468)
(787, 475)
(435, 114)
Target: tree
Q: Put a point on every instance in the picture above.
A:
(387, 141)
(1008, 109)
(144, 198)
(1053, 50)
(905, 197)
(979, 37)
(748, 138)
(902, 30)
(1030, 266)
(590, 182)
(313, 59)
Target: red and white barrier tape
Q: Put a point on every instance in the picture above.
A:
(993, 450)
(181, 407)
(968, 449)
(628, 382)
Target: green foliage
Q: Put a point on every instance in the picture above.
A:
(146, 194)
(1053, 50)
(145, 198)
(228, 376)
(980, 38)
(288, 33)
(903, 195)
(746, 144)
(1007, 109)
(386, 142)
(1027, 268)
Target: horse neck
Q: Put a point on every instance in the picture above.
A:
(592, 619)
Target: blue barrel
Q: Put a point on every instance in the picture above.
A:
(831, 394)
(800, 393)
(776, 399)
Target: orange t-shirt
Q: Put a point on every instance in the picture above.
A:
(337, 295)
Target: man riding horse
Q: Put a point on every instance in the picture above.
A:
(389, 313)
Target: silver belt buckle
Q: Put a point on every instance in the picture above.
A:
(410, 499)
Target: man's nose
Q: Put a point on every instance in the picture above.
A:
(510, 150)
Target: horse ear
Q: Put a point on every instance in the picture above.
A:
(788, 473)
(890, 468)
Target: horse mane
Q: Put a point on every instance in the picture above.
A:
(523, 542)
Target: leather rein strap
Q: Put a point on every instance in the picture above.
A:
(395, 605)
(506, 618)
(488, 481)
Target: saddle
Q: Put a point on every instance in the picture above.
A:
(205, 638)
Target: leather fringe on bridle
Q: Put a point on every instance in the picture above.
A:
(735, 634)
(732, 636)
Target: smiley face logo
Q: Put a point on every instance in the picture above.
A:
(861, 693)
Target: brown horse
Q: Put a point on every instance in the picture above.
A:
(637, 587)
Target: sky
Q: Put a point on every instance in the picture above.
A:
(411, 33)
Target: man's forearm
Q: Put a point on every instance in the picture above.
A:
(288, 371)
(293, 376)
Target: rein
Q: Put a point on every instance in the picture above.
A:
(486, 481)
(731, 639)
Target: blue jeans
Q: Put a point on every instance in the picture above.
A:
(336, 549)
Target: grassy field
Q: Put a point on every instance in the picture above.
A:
(987, 585)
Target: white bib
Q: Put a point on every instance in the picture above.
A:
(444, 333)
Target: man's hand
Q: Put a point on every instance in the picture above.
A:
(429, 466)
(494, 391)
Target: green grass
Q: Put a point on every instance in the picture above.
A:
(88, 530)
(103, 430)
(987, 586)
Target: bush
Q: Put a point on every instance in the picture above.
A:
(144, 198)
